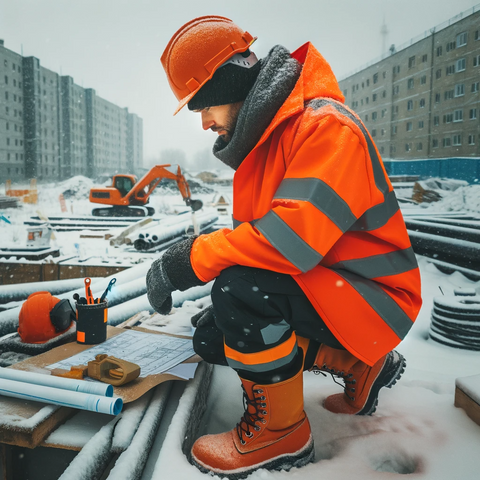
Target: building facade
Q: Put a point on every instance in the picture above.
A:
(423, 101)
(51, 128)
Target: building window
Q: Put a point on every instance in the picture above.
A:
(473, 114)
(394, 130)
(408, 147)
(374, 132)
(457, 140)
(384, 112)
(458, 116)
(450, 70)
(374, 97)
(410, 83)
(366, 117)
(461, 39)
(434, 142)
(411, 62)
(420, 124)
(437, 98)
(368, 82)
(471, 139)
(374, 116)
(384, 75)
(438, 73)
(461, 65)
(459, 90)
(448, 118)
(6, 80)
(447, 142)
(395, 110)
(383, 132)
(424, 58)
(409, 126)
(396, 89)
(410, 105)
(450, 46)
(439, 51)
(384, 94)
(8, 141)
(449, 94)
(375, 78)
(419, 146)
(436, 120)
(477, 36)
(422, 103)
(474, 88)
(423, 80)
(366, 100)
(476, 60)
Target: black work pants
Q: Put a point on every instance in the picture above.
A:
(256, 310)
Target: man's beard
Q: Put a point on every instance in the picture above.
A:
(230, 123)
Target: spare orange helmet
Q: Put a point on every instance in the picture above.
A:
(197, 49)
(43, 317)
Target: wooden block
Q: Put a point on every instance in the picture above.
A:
(467, 396)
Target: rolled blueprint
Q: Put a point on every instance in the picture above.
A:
(57, 396)
(94, 388)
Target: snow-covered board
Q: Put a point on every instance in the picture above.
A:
(467, 396)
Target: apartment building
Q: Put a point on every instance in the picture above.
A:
(52, 128)
(423, 101)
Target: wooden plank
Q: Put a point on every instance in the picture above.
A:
(31, 436)
(471, 407)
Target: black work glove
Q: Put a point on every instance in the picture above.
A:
(173, 271)
(204, 317)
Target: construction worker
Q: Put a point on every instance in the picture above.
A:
(317, 273)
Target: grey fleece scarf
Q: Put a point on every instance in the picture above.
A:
(278, 75)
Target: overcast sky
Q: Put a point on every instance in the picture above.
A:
(114, 46)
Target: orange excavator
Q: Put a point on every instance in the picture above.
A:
(128, 198)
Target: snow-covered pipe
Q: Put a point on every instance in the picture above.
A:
(19, 292)
(57, 396)
(158, 234)
(120, 313)
(93, 388)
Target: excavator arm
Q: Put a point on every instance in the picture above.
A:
(147, 184)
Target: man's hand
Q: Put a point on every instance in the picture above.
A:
(159, 288)
(172, 271)
(204, 317)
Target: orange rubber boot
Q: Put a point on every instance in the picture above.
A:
(274, 433)
(362, 382)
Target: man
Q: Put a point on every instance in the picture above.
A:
(318, 272)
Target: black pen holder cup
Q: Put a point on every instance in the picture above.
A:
(92, 323)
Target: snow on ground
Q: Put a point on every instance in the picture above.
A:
(416, 429)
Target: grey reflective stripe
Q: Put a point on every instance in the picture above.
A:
(274, 332)
(383, 265)
(321, 196)
(378, 174)
(287, 242)
(381, 302)
(236, 222)
(377, 216)
(264, 367)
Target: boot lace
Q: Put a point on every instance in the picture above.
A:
(347, 378)
(249, 420)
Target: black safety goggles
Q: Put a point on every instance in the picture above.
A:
(61, 315)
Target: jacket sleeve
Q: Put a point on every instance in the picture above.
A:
(326, 188)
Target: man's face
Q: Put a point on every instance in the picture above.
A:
(221, 119)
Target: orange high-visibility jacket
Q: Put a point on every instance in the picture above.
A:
(313, 200)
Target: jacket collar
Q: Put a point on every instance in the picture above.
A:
(316, 81)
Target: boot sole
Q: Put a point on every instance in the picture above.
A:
(284, 462)
(391, 372)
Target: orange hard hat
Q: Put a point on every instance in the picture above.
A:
(197, 49)
(35, 319)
